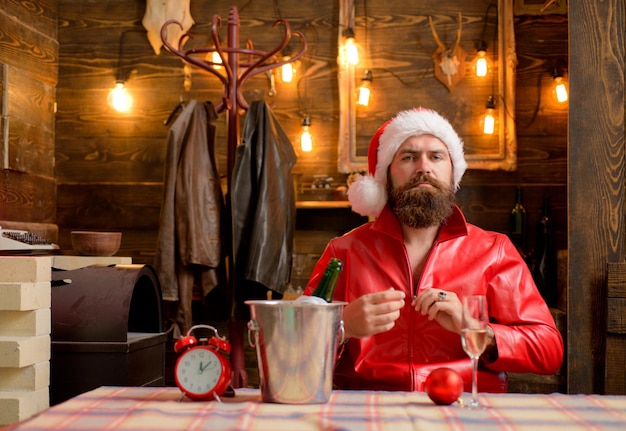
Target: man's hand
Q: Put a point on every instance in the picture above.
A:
(372, 313)
(446, 310)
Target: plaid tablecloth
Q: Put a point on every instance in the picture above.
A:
(139, 409)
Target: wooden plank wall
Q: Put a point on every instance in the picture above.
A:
(110, 167)
(29, 59)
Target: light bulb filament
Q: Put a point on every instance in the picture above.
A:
(306, 141)
(350, 52)
(364, 96)
(489, 123)
(216, 60)
(119, 98)
(559, 90)
(287, 71)
(481, 65)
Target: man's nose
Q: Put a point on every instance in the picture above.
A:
(422, 165)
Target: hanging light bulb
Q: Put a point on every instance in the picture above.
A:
(352, 52)
(365, 90)
(489, 120)
(306, 141)
(350, 49)
(559, 89)
(482, 64)
(216, 60)
(186, 77)
(119, 98)
(287, 70)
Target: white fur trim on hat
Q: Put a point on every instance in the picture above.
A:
(368, 195)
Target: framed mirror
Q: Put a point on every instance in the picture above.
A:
(398, 47)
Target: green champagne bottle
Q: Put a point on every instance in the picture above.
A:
(326, 286)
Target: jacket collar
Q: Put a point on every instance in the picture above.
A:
(455, 225)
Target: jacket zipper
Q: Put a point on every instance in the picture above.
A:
(413, 312)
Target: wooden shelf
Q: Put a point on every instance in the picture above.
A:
(322, 204)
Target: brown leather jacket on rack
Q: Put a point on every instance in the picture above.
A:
(263, 205)
(464, 259)
(189, 246)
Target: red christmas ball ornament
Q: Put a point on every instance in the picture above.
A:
(444, 386)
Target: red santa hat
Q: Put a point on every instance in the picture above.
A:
(368, 194)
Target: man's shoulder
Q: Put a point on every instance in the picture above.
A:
(473, 229)
(363, 233)
(477, 233)
(362, 230)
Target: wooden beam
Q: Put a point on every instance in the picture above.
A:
(596, 231)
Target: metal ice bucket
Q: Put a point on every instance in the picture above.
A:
(295, 346)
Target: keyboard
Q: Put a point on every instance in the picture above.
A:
(23, 242)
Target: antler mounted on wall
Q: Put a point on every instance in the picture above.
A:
(449, 62)
(160, 11)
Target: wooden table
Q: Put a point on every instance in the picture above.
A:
(150, 408)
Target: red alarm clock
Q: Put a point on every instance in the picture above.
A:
(202, 371)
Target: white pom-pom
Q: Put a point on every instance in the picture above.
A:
(367, 196)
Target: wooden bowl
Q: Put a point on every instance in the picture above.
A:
(87, 243)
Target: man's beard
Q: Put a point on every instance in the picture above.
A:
(421, 207)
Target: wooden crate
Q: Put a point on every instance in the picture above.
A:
(615, 353)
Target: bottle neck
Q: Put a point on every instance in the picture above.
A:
(326, 286)
(519, 195)
(546, 206)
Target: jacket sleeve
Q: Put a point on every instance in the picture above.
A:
(526, 335)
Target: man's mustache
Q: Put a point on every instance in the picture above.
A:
(422, 179)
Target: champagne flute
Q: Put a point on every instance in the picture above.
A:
(474, 336)
(300, 263)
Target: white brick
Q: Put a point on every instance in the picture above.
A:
(25, 296)
(75, 262)
(19, 406)
(25, 268)
(30, 378)
(25, 323)
(23, 351)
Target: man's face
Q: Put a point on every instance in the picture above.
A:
(419, 182)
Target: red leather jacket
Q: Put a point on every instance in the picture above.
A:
(464, 259)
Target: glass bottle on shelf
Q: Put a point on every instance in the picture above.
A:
(518, 225)
(545, 265)
(326, 286)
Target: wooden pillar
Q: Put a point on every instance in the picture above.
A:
(596, 177)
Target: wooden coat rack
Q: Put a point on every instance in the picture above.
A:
(237, 72)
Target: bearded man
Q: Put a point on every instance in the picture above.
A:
(406, 272)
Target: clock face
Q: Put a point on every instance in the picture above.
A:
(198, 371)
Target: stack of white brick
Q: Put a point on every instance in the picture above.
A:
(24, 336)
